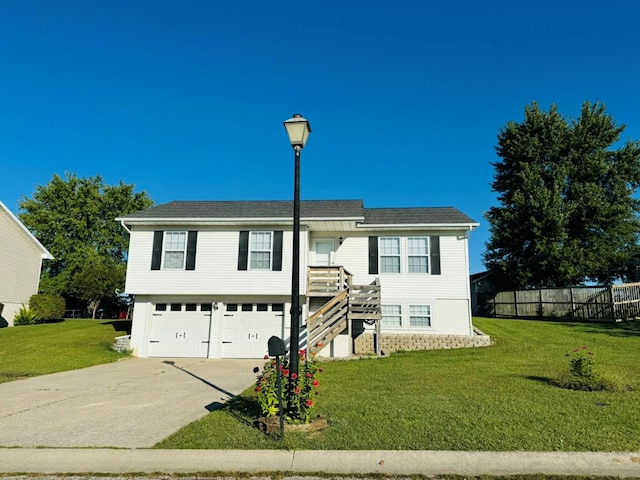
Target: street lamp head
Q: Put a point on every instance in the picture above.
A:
(298, 130)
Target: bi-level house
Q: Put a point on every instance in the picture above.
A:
(213, 278)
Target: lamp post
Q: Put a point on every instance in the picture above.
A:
(298, 130)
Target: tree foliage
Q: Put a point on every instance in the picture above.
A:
(74, 218)
(567, 210)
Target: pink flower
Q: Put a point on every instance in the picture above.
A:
(298, 390)
(308, 375)
(294, 376)
(258, 389)
(315, 383)
(309, 403)
(285, 372)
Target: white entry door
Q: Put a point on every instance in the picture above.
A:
(323, 249)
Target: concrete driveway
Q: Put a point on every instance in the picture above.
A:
(133, 403)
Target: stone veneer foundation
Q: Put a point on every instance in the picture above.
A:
(395, 342)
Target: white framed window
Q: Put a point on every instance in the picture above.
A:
(389, 254)
(175, 248)
(391, 316)
(418, 254)
(260, 250)
(419, 315)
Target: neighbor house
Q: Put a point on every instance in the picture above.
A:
(213, 279)
(21, 256)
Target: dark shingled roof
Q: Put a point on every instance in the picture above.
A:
(253, 209)
(418, 215)
(336, 209)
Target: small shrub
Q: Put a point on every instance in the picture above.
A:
(581, 363)
(581, 375)
(48, 307)
(25, 316)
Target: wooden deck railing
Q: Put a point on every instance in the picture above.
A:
(327, 281)
(348, 303)
(328, 322)
(364, 302)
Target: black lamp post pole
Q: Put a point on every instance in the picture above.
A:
(295, 275)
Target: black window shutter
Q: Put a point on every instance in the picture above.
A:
(156, 253)
(243, 250)
(373, 255)
(192, 241)
(277, 251)
(434, 253)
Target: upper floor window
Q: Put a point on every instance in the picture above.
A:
(418, 254)
(174, 250)
(260, 251)
(389, 255)
(404, 255)
(175, 247)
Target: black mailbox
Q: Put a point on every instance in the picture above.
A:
(276, 347)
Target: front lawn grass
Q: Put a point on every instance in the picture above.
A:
(32, 350)
(497, 398)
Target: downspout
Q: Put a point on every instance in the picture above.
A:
(466, 248)
(124, 225)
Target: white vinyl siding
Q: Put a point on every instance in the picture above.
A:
(175, 247)
(217, 270)
(260, 250)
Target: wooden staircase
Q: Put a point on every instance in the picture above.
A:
(347, 302)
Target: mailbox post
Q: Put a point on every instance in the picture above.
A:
(276, 349)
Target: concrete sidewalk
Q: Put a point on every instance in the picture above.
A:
(148, 461)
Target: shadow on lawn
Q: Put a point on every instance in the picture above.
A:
(120, 325)
(243, 409)
(629, 328)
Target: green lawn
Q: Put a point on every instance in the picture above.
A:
(54, 347)
(493, 398)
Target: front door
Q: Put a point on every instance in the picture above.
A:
(323, 248)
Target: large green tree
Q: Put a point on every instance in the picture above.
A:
(567, 210)
(74, 218)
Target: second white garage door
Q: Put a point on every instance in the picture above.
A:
(246, 329)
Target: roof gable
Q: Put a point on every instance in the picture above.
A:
(25, 231)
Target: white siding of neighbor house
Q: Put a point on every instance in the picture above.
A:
(216, 269)
(447, 293)
(20, 263)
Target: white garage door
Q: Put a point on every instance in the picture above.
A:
(180, 330)
(246, 329)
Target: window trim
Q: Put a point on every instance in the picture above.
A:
(429, 316)
(252, 250)
(382, 255)
(166, 250)
(395, 315)
(426, 255)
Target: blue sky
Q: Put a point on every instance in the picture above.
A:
(185, 99)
